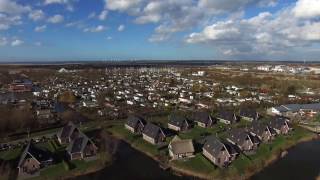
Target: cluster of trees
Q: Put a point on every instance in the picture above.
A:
(15, 119)
(67, 97)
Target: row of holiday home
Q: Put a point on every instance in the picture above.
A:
(78, 146)
(219, 152)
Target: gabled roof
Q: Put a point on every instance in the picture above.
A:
(152, 130)
(133, 121)
(180, 146)
(38, 154)
(226, 115)
(250, 113)
(239, 135)
(258, 128)
(214, 146)
(277, 123)
(202, 117)
(177, 120)
(78, 144)
(67, 130)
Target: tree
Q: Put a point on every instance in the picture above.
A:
(291, 89)
(67, 97)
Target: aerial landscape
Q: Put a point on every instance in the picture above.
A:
(159, 89)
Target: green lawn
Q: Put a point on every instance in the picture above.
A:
(243, 164)
(197, 132)
(61, 169)
(198, 164)
(135, 140)
(11, 154)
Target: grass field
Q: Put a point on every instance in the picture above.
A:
(135, 140)
(243, 164)
(11, 154)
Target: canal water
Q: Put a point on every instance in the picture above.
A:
(132, 164)
(301, 163)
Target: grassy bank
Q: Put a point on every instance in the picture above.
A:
(244, 166)
(135, 141)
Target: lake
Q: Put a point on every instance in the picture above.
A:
(301, 163)
(132, 164)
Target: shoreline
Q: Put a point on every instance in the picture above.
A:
(274, 157)
(246, 175)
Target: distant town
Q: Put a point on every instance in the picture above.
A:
(206, 121)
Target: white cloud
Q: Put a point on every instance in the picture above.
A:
(67, 3)
(103, 15)
(56, 19)
(109, 38)
(11, 7)
(37, 15)
(260, 36)
(16, 42)
(6, 21)
(121, 28)
(40, 28)
(219, 31)
(131, 6)
(307, 8)
(174, 16)
(98, 28)
(56, 1)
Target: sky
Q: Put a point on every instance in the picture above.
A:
(66, 30)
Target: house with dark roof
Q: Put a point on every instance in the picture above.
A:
(243, 139)
(280, 125)
(135, 124)
(218, 152)
(226, 117)
(82, 147)
(262, 131)
(178, 122)
(203, 119)
(153, 134)
(249, 114)
(32, 160)
(68, 133)
(181, 148)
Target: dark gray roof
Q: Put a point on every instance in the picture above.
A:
(133, 121)
(203, 117)
(278, 122)
(152, 130)
(67, 130)
(238, 135)
(177, 120)
(226, 115)
(258, 128)
(78, 144)
(213, 146)
(249, 113)
(31, 150)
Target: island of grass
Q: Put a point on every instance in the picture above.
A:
(243, 167)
